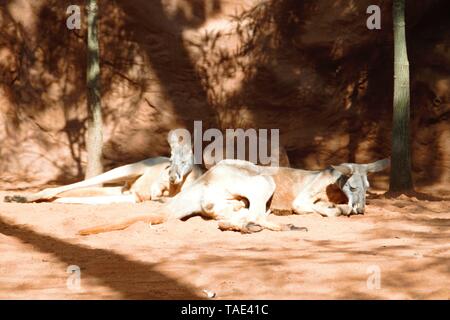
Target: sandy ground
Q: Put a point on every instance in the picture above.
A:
(398, 249)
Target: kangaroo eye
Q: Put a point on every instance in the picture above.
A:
(352, 189)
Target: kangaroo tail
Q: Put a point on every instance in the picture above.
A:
(153, 219)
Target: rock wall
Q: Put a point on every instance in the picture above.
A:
(310, 68)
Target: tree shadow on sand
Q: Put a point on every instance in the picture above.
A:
(131, 279)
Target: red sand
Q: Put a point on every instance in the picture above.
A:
(407, 239)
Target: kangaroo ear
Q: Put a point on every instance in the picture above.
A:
(345, 169)
(378, 165)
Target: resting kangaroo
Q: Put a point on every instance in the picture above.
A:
(145, 180)
(336, 190)
(240, 195)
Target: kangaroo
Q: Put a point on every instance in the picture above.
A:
(148, 179)
(334, 191)
(240, 195)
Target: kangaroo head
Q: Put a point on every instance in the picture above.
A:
(354, 183)
(182, 157)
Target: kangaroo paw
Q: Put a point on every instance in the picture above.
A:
(291, 227)
(252, 227)
(16, 198)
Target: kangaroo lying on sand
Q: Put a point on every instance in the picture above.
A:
(148, 179)
(240, 195)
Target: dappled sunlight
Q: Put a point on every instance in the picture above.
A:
(295, 66)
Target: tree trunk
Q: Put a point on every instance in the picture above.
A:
(400, 177)
(94, 142)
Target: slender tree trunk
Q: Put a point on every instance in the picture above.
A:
(94, 132)
(400, 177)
